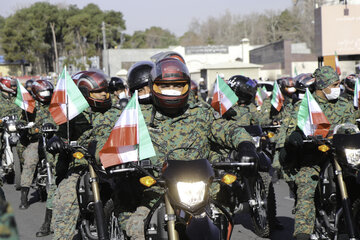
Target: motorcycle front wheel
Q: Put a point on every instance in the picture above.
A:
(17, 168)
(259, 213)
(115, 232)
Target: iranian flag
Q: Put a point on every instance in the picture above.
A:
(337, 65)
(357, 92)
(23, 98)
(277, 98)
(224, 98)
(260, 96)
(67, 101)
(311, 119)
(129, 140)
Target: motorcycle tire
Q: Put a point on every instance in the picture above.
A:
(17, 168)
(115, 232)
(356, 214)
(259, 215)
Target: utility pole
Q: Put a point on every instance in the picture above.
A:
(105, 50)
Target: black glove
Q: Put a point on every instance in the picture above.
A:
(296, 140)
(55, 145)
(247, 150)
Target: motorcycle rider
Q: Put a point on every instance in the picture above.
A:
(303, 81)
(87, 125)
(28, 85)
(301, 162)
(8, 87)
(119, 91)
(138, 79)
(349, 85)
(269, 114)
(42, 92)
(176, 122)
(245, 110)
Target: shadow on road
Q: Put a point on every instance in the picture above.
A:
(285, 234)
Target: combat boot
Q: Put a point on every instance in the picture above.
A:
(24, 198)
(45, 228)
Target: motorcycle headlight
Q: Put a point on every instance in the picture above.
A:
(11, 127)
(191, 193)
(352, 156)
(257, 141)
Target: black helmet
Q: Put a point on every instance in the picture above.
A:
(303, 81)
(169, 54)
(170, 71)
(115, 84)
(244, 88)
(139, 77)
(28, 83)
(349, 83)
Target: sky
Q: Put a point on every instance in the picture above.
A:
(172, 15)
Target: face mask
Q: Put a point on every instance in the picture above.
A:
(334, 94)
(122, 95)
(171, 92)
(44, 93)
(144, 96)
(301, 95)
(291, 89)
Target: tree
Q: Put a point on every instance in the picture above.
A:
(154, 37)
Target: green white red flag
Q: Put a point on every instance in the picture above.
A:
(224, 97)
(129, 140)
(277, 98)
(337, 65)
(23, 98)
(67, 101)
(311, 119)
(260, 96)
(357, 92)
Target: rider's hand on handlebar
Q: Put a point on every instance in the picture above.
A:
(296, 139)
(55, 145)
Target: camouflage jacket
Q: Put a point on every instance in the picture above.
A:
(246, 115)
(337, 112)
(350, 98)
(40, 116)
(8, 107)
(8, 229)
(195, 128)
(268, 113)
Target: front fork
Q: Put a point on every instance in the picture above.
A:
(171, 218)
(101, 222)
(345, 201)
(8, 153)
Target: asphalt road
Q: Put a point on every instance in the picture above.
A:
(30, 220)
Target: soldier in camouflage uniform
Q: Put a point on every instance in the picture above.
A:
(301, 162)
(42, 91)
(8, 229)
(269, 115)
(175, 122)
(349, 84)
(138, 79)
(94, 87)
(118, 89)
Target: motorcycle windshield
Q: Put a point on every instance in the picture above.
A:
(341, 141)
(191, 170)
(254, 130)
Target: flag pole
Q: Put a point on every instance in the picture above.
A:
(67, 111)
(311, 120)
(137, 124)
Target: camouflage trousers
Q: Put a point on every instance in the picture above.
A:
(31, 158)
(8, 229)
(66, 208)
(306, 180)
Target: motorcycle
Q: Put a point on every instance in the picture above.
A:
(185, 209)
(97, 221)
(10, 162)
(337, 199)
(44, 171)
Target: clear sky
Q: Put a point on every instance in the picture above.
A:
(169, 14)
